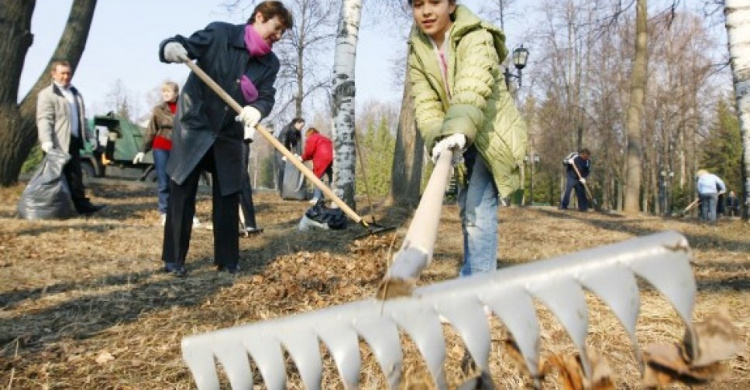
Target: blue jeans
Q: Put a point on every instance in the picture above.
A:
(160, 164)
(328, 174)
(708, 207)
(477, 202)
(573, 183)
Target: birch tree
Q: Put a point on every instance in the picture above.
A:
(344, 157)
(738, 31)
(638, 78)
(18, 121)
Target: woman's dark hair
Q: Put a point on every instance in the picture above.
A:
(271, 9)
(295, 121)
(450, 1)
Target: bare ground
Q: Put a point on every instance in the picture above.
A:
(83, 304)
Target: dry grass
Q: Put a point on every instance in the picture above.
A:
(84, 306)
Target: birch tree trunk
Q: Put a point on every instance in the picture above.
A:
(344, 158)
(18, 121)
(738, 31)
(635, 109)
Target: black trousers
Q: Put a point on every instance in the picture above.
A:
(72, 172)
(181, 210)
(246, 191)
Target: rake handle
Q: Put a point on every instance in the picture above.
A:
(277, 145)
(585, 187)
(416, 252)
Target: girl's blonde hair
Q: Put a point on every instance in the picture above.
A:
(171, 85)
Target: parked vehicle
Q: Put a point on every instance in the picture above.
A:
(111, 153)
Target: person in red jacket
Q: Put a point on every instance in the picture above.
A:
(319, 149)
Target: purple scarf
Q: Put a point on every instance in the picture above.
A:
(256, 46)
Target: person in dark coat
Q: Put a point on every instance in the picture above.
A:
(247, 208)
(732, 205)
(580, 160)
(291, 137)
(319, 149)
(207, 135)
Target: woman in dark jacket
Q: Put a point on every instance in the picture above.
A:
(206, 133)
(291, 137)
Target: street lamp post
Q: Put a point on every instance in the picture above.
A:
(666, 179)
(520, 56)
(534, 160)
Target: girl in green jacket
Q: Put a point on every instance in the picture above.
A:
(462, 103)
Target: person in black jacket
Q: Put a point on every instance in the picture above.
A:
(291, 137)
(732, 205)
(207, 134)
(580, 160)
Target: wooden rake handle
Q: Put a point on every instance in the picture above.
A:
(588, 193)
(277, 145)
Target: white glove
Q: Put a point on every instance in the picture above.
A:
(583, 181)
(299, 157)
(250, 116)
(175, 52)
(572, 161)
(457, 142)
(46, 146)
(283, 159)
(249, 133)
(138, 158)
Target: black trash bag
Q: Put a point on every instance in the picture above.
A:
(319, 214)
(293, 185)
(47, 196)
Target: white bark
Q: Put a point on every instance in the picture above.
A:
(343, 100)
(738, 31)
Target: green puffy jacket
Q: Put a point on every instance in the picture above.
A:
(480, 106)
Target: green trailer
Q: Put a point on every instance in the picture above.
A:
(111, 152)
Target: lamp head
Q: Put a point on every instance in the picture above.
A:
(520, 56)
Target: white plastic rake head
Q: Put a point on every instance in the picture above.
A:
(609, 272)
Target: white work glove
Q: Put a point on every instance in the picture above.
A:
(457, 142)
(250, 116)
(249, 134)
(46, 146)
(138, 158)
(299, 157)
(175, 52)
(572, 161)
(583, 181)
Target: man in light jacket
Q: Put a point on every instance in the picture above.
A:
(709, 187)
(61, 124)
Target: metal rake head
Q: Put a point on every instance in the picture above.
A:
(609, 272)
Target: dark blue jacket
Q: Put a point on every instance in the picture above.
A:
(584, 167)
(203, 119)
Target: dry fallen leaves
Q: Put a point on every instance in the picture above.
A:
(104, 358)
(716, 340)
(572, 377)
